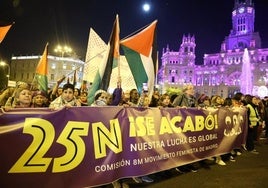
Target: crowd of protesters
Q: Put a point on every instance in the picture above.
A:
(23, 96)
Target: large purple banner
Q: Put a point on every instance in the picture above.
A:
(90, 146)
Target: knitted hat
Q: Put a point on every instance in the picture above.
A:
(99, 91)
(39, 93)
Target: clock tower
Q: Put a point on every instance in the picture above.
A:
(242, 34)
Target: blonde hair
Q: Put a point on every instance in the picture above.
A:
(17, 94)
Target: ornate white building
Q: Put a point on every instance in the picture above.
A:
(221, 72)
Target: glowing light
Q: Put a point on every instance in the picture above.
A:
(262, 91)
(246, 85)
(146, 7)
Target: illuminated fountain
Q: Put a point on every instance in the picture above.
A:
(246, 74)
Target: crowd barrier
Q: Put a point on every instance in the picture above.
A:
(90, 146)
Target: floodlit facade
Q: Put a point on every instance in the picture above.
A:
(23, 69)
(220, 73)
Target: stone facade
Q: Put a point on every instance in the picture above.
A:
(220, 72)
(23, 69)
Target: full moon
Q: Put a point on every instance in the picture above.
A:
(146, 7)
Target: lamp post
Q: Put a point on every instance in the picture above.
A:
(63, 49)
(2, 63)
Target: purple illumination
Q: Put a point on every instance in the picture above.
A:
(238, 66)
(246, 76)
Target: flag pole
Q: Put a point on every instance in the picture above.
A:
(119, 74)
(156, 69)
(44, 55)
(77, 69)
(95, 56)
(117, 46)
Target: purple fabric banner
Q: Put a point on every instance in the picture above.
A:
(90, 146)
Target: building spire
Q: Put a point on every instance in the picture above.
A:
(236, 4)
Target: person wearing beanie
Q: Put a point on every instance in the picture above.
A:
(39, 99)
(100, 98)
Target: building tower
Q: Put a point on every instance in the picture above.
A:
(220, 73)
(242, 34)
(187, 50)
(178, 67)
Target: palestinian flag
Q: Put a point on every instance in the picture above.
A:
(41, 71)
(113, 56)
(3, 31)
(103, 75)
(141, 54)
(96, 51)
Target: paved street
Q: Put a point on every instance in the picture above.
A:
(249, 170)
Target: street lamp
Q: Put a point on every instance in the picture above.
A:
(2, 63)
(63, 49)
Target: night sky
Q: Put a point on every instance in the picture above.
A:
(68, 22)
